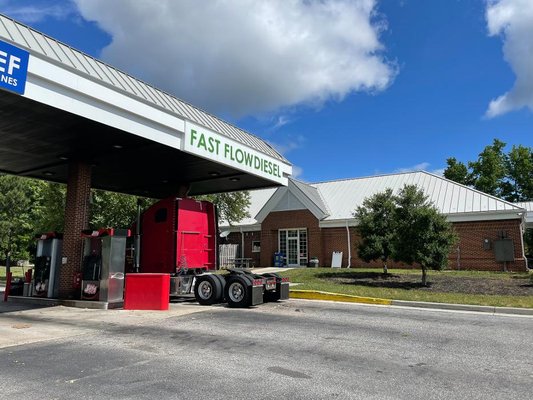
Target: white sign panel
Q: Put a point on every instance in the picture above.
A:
(213, 146)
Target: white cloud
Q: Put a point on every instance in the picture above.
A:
(31, 12)
(297, 171)
(513, 21)
(289, 143)
(417, 167)
(439, 171)
(247, 56)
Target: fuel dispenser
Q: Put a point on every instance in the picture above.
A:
(47, 265)
(104, 252)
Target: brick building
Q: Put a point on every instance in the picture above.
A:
(304, 221)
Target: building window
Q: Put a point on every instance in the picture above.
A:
(256, 246)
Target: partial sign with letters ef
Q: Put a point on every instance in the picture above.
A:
(13, 68)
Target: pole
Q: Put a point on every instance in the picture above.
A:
(137, 246)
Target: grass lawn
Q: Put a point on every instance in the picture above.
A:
(460, 287)
(18, 272)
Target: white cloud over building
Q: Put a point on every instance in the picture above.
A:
(248, 56)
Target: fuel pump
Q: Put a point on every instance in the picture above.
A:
(104, 253)
(47, 265)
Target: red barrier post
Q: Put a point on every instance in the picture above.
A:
(9, 275)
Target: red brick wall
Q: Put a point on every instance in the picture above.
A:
(285, 220)
(76, 219)
(472, 254)
(335, 239)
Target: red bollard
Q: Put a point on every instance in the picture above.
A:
(8, 285)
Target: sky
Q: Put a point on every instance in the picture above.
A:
(342, 88)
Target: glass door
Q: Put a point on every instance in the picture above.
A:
(293, 243)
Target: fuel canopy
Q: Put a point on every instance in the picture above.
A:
(59, 105)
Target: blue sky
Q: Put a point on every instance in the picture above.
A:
(342, 88)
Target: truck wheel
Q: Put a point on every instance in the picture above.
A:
(237, 292)
(207, 290)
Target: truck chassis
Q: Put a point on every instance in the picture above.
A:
(239, 288)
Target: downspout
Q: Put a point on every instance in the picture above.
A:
(522, 232)
(242, 242)
(349, 246)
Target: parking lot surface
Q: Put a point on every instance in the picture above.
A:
(294, 349)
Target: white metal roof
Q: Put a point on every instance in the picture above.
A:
(528, 206)
(67, 57)
(258, 199)
(342, 197)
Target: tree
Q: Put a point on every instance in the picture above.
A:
(519, 166)
(423, 235)
(490, 169)
(232, 207)
(51, 212)
(18, 209)
(116, 210)
(457, 171)
(377, 227)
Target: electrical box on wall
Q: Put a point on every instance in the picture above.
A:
(486, 244)
(504, 250)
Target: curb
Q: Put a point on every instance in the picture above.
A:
(319, 295)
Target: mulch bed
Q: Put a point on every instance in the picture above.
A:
(516, 286)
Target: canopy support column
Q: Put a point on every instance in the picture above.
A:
(76, 219)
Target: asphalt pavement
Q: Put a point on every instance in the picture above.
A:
(295, 349)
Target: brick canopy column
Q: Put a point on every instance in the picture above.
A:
(76, 219)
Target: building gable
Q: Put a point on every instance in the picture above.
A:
(296, 196)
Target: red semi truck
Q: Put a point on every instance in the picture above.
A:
(178, 236)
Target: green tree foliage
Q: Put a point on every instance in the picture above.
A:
(423, 235)
(506, 175)
(406, 228)
(232, 207)
(51, 204)
(490, 170)
(457, 171)
(377, 227)
(18, 212)
(115, 210)
(519, 166)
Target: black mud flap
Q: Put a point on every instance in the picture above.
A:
(284, 291)
(257, 295)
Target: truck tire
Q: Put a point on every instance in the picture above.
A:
(207, 290)
(222, 286)
(269, 297)
(237, 291)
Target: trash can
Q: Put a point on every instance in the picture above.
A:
(313, 262)
(17, 287)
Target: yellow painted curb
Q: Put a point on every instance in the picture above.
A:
(318, 295)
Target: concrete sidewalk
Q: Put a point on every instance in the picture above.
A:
(23, 323)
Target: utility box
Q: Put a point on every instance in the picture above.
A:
(47, 265)
(504, 250)
(104, 253)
